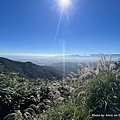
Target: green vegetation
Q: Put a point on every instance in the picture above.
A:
(94, 90)
(103, 95)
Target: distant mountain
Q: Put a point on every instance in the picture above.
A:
(77, 55)
(28, 69)
(91, 55)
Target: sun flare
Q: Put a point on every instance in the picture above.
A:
(64, 3)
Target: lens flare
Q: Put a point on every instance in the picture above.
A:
(63, 6)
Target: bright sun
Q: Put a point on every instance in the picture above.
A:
(64, 3)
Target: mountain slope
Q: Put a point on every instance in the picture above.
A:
(28, 69)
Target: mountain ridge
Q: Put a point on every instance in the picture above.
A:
(28, 69)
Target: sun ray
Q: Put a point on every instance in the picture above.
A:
(64, 7)
(63, 59)
(58, 26)
(64, 4)
(67, 16)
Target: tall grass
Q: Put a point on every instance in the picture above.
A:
(103, 95)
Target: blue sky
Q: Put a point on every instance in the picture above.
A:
(31, 27)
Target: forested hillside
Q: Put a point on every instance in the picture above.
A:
(28, 69)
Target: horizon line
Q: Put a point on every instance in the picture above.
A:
(49, 55)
